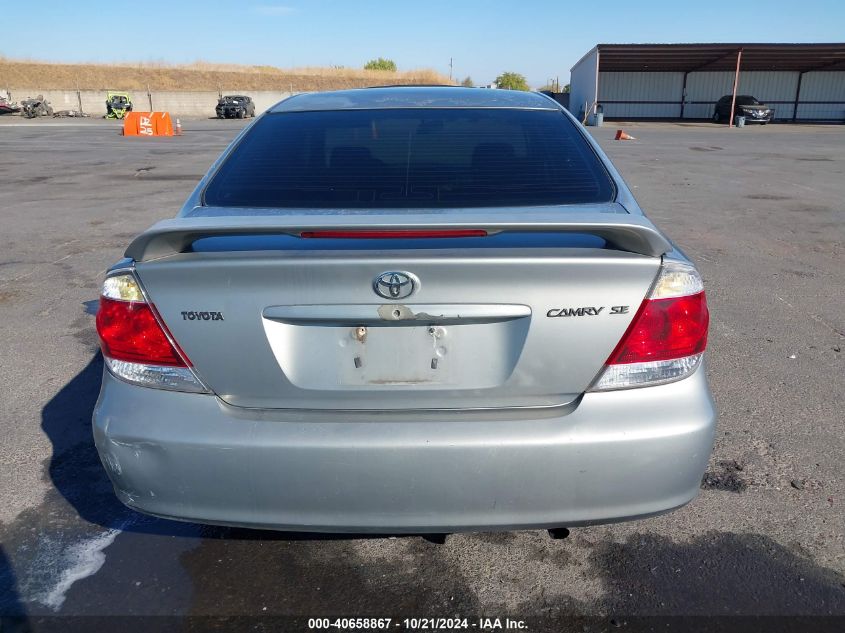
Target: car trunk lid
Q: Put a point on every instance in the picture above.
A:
(507, 320)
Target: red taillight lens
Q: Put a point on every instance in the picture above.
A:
(401, 234)
(130, 332)
(664, 329)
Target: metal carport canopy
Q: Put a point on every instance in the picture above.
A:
(702, 57)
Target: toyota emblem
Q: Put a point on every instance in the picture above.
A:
(394, 285)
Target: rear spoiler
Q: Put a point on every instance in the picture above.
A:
(631, 233)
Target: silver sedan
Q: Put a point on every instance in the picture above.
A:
(415, 309)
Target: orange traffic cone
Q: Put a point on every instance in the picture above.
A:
(178, 130)
(621, 135)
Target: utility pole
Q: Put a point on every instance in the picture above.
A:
(736, 83)
(450, 69)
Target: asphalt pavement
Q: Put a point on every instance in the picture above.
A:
(760, 210)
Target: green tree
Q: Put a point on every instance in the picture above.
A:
(467, 82)
(512, 81)
(381, 64)
(553, 87)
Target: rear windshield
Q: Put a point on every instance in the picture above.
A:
(410, 158)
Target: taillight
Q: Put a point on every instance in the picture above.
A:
(667, 336)
(129, 331)
(664, 329)
(135, 343)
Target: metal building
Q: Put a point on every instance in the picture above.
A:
(802, 82)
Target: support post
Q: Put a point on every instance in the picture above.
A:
(598, 64)
(736, 83)
(684, 94)
(797, 97)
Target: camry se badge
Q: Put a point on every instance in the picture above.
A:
(586, 311)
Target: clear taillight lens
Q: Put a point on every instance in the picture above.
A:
(136, 345)
(666, 338)
(676, 280)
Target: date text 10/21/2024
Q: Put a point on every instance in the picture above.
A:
(417, 624)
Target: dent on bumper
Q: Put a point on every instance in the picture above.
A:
(614, 456)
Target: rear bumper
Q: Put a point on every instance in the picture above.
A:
(614, 456)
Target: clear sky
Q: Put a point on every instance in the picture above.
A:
(538, 38)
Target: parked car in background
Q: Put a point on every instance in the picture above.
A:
(406, 309)
(235, 107)
(8, 107)
(118, 104)
(747, 106)
(32, 108)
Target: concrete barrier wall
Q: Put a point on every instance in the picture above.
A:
(177, 103)
(93, 102)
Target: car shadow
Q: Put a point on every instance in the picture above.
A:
(12, 612)
(74, 467)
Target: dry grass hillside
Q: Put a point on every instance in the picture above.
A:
(198, 76)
